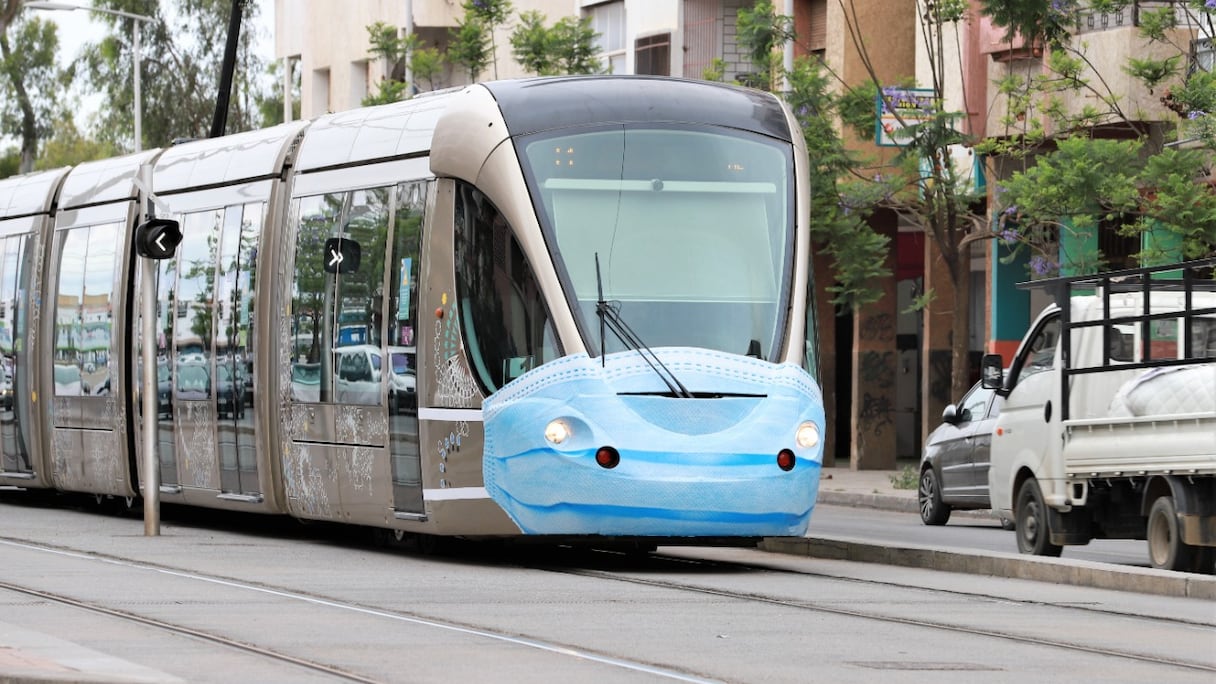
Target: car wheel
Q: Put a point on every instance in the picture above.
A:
(1032, 532)
(929, 497)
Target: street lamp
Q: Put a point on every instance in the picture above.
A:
(138, 19)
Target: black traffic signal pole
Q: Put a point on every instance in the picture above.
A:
(220, 121)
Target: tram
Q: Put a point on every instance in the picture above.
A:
(562, 308)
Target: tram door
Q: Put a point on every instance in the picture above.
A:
(353, 360)
(14, 416)
(205, 301)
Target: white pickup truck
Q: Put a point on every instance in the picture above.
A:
(1108, 429)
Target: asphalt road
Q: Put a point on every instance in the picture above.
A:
(963, 533)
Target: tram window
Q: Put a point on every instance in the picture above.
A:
(83, 316)
(691, 230)
(194, 333)
(97, 307)
(336, 308)
(507, 328)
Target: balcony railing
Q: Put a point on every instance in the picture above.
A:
(1089, 21)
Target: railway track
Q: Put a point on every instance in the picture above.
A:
(875, 615)
(692, 615)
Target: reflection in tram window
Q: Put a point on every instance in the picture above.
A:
(84, 310)
(332, 311)
(193, 333)
(97, 307)
(402, 358)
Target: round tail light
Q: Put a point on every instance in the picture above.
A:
(607, 457)
(786, 459)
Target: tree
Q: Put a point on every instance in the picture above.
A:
(471, 45)
(270, 102)
(568, 47)
(182, 55)
(1070, 177)
(67, 147)
(31, 81)
(921, 184)
(489, 14)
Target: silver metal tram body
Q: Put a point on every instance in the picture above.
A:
(571, 307)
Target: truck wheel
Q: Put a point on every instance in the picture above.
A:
(1032, 532)
(929, 496)
(1166, 550)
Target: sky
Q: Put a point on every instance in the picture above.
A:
(79, 27)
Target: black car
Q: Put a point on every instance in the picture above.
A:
(954, 465)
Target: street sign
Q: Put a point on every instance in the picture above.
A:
(158, 238)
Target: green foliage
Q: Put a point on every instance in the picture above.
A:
(574, 46)
(469, 45)
(67, 147)
(10, 162)
(761, 30)
(270, 102)
(716, 71)
(1048, 21)
(182, 54)
(489, 14)
(907, 478)
(492, 13)
(530, 43)
(426, 64)
(1152, 71)
(568, 47)
(31, 82)
(857, 251)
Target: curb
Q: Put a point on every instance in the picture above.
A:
(888, 502)
(1073, 572)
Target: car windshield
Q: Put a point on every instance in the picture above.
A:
(308, 373)
(401, 364)
(689, 227)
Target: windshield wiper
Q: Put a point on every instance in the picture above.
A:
(610, 317)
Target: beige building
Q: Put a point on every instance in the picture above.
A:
(324, 43)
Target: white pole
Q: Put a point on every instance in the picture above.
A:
(788, 57)
(149, 383)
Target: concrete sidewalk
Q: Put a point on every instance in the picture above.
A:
(892, 490)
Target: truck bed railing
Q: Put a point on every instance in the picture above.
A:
(1186, 277)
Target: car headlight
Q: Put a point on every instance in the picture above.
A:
(807, 435)
(557, 431)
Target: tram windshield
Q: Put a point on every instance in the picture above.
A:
(692, 229)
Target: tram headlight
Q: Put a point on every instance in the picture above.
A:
(807, 435)
(557, 431)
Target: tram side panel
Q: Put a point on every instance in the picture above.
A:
(24, 243)
(451, 433)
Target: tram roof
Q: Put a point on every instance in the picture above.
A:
(541, 104)
(395, 130)
(29, 194)
(103, 181)
(226, 160)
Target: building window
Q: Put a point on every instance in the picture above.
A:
(359, 82)
(608, 20)
(652, 55)
(321, 103)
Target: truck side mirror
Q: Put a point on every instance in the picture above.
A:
(992, 374)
